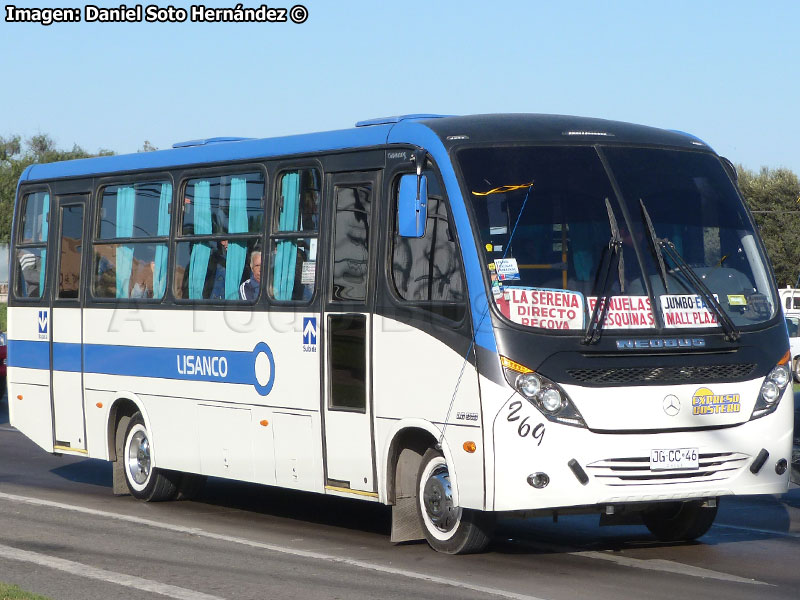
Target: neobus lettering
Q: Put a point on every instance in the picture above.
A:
(216, 366)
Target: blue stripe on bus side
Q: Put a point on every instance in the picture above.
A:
(187, 364)
(28, 354)
(67, 357)
(171, 363)
(421, 135)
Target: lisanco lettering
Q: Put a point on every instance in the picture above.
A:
(206, 366)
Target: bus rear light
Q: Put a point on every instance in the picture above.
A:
(470, 447)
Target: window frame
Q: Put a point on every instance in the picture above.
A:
(17, 245)
(178, 237)
(423, 305)
(273, 235)
(96, 240)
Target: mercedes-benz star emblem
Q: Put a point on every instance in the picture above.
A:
(672, 406)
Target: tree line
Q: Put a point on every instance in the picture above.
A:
(772, 194)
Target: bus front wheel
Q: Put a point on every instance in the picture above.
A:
(680, 521)
(448, 528)
(145, 482)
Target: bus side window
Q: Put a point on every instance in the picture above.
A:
(31, 255)
(221, 219)
(428, 270)
(131, 241)
(295, 230)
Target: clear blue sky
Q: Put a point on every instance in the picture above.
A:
(728, 72)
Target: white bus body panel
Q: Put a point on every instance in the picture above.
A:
(210, 427)
(415, 377)
(67, 378)
(32, 414)
(599, 453)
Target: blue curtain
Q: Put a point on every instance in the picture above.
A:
(201, 252)
(45, 227)
(126, 199)
(160, 265)
(286, 251)
(237, 251)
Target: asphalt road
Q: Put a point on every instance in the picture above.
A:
(63, 534)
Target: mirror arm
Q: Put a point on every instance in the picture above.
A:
(419, 157)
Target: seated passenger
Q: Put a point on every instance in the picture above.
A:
(249, 289)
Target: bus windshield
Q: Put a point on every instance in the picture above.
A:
(556, 237)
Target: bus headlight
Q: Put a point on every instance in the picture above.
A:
(551, 400)
(528, 385)
(546, 395)
(772, 389)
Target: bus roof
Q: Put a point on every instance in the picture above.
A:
(405, 129)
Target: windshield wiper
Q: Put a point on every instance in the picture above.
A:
(598, 318)
(731, 333)
(651, 232)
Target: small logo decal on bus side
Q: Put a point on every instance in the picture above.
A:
(43, 322)
(309, 334)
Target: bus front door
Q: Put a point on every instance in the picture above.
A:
(347, 399)
(69, 426)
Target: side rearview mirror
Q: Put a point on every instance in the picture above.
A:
(412, 205)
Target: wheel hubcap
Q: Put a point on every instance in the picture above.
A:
(139, 457)
(437, 498)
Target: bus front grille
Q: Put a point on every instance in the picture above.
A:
(647, 375)
(636, 470)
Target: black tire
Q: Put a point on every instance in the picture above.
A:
(449, 529)
(680, 521)
(145, 482)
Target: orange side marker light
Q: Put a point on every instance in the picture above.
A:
(469, 447)
(264, 423)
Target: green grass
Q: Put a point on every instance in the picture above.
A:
(3, 320)
(12, 592)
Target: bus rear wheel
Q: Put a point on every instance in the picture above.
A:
(145, 482)
(680, 521)
(448, 528)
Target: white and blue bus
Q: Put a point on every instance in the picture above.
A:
(460, 317)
